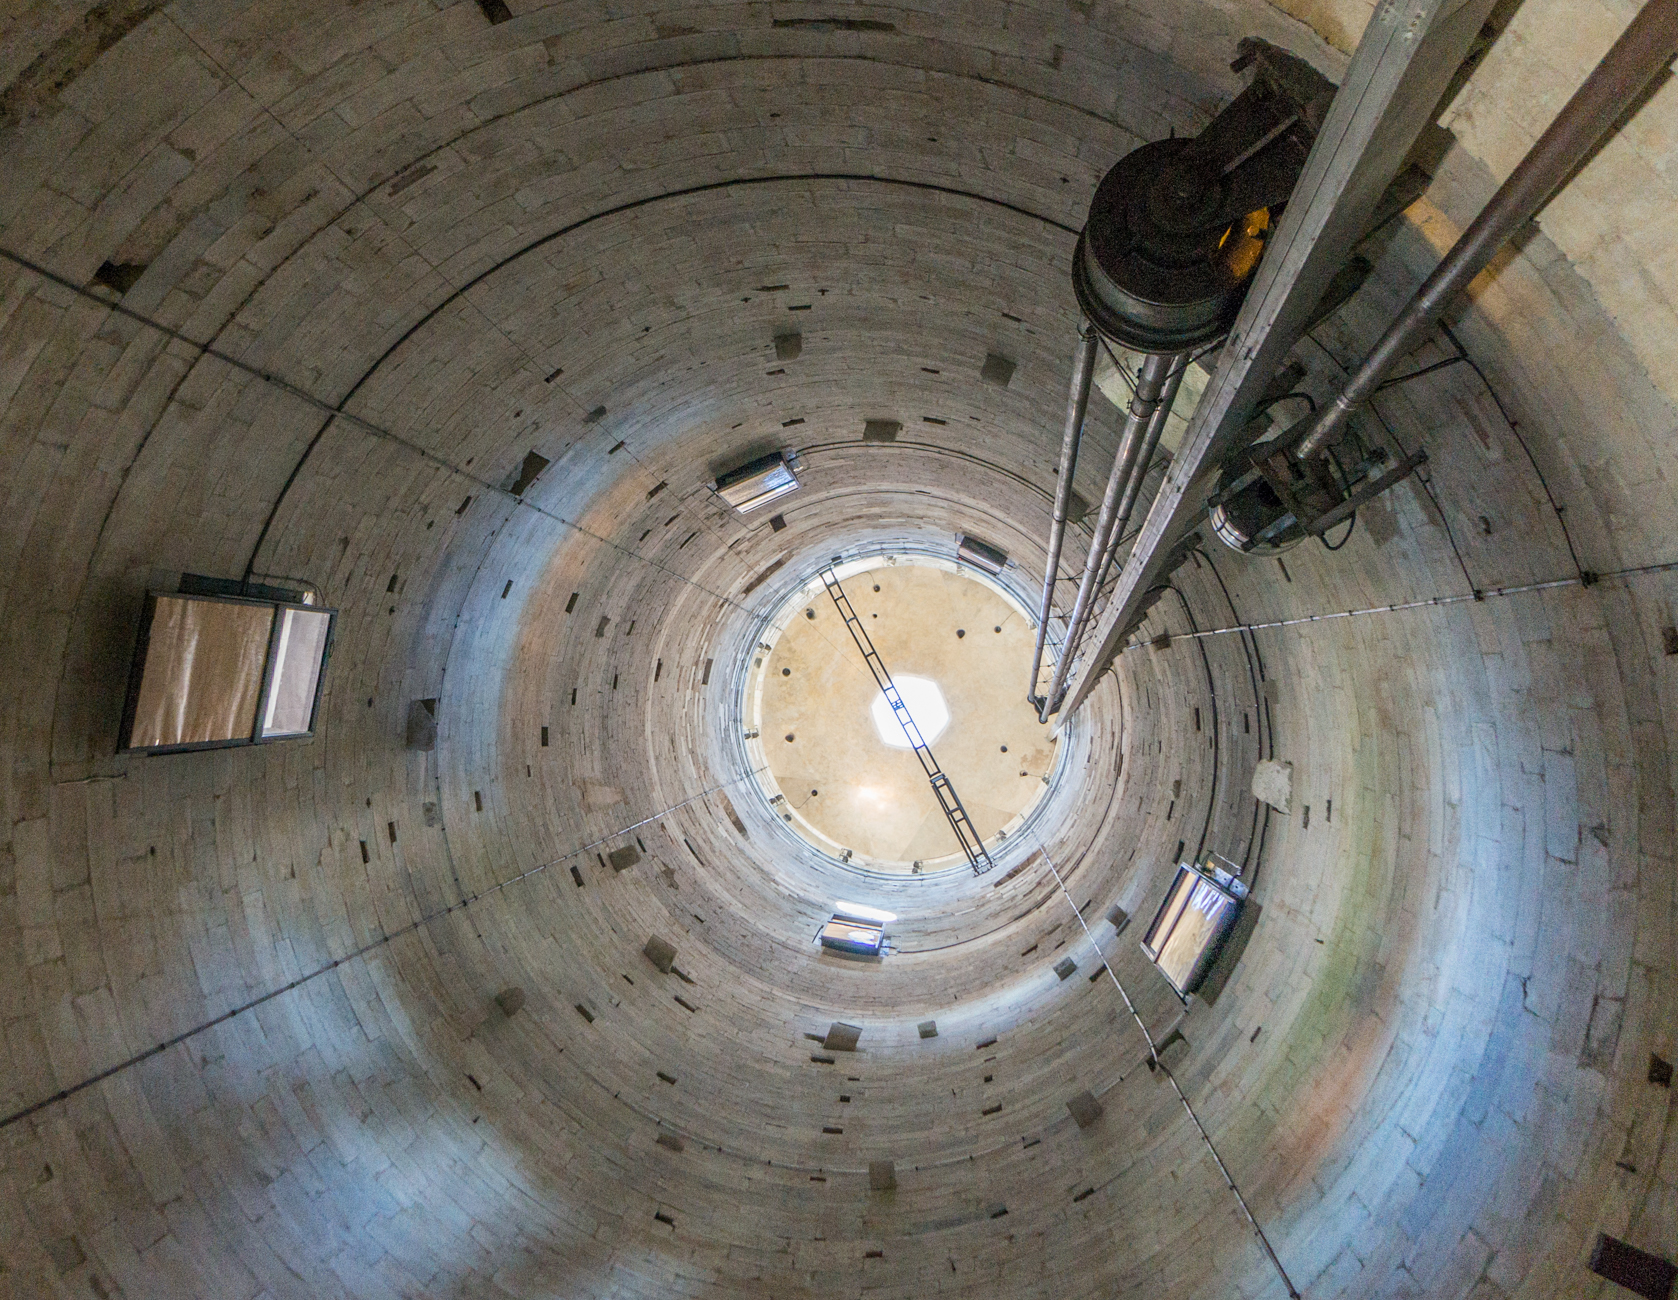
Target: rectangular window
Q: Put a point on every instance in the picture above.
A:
(852, 935)
(1189, 930)
(294, 682)
(856, 929)
(211, 671)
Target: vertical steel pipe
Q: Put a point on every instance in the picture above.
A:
(1144, 458)
(1077, 403)
(1644, 49)
(1156, 368)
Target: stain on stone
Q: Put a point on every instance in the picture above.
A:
(70, 56)
(836, 24)
(1602, 1032)
(66, 1253)
(412, 177)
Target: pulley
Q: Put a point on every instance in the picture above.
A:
(1177, 226)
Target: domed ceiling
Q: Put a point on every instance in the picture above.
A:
(350, 1017)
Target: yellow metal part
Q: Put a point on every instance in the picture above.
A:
(1241, 253)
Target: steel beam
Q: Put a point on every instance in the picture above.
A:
(1643, 51)
(1409, 53)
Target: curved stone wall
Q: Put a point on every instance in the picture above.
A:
(446, 244)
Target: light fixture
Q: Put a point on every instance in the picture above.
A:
(857, 936)
(981, 555)
(757, 482)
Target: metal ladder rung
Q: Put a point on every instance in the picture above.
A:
(954, 812)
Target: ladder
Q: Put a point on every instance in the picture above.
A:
(971, 845)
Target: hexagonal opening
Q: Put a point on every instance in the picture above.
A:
(926, 706)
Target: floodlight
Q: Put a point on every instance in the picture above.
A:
(855, 935)
(757, 482)
(981, 555)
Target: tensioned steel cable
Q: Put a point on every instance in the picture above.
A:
(1160, 1066)
(338, 412)
(64, 1093)
(1482, 594)
(460, 291)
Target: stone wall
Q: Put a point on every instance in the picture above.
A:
(577, 232)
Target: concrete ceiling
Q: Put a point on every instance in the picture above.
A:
(577, 232)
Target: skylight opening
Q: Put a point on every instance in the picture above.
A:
(925, 703)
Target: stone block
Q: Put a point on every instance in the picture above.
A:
(660, 953)
(1273, 784)
(1085, 1108)
(997, 370)
(1637, 1270)
(422, 724)
(842, 1037)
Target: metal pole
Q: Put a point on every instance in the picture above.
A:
(1150, 444)
(1409, 52)
(1077, 402)
(1155, 368)
(1644, 49)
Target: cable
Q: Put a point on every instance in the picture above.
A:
(1515, 428)
(1351, 523)
(1351, 519)
(1427, 487)
(460, 291)
(64, 1093)
(1396, 380)
(1119, 366)
(1217, 731)
(1188, 360)
(1213, 346)
(1487, 593)
(1310, 402)
(1160, 1066)
(1462, 357)
(337, 412)
(1255, 675)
